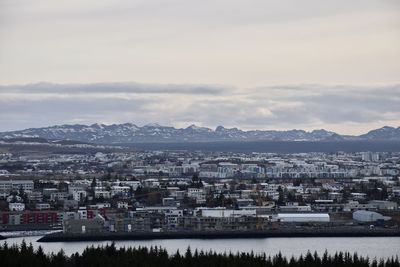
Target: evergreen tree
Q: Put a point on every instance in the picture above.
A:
(109, 255)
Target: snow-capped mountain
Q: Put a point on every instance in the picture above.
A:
(384, 133)
(130, 133)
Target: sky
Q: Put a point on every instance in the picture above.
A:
(251, 64)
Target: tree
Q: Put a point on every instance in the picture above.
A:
(94, 183)
(281, 198)
(23, 195)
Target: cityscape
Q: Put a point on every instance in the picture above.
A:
(120, 190)
(220, 133)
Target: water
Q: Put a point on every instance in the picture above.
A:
(379, 247)
(275, 146)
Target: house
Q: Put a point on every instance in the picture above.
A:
(16, 206)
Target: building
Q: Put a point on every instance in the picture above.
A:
(79, 195)
(11, 185)
(16, 206)
(222, 212)
(82, 226)
(384, 205)
(102, 194)
(122, 205)
(58, 196)
(303, 217)
(4, 173)
(295, 208)
(172, 218)
(28, 217)
(120, 190)
(42, 206)
(35, 196)
(368, 216)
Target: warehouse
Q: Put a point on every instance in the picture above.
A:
(222, 212)
(303, 217)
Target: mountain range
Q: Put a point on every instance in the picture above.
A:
(131, 133)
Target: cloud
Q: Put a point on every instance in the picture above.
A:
(109, 88)
(346, 109)
(180, 41)
(327, 106)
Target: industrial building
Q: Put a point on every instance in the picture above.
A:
(222, 212)
(303, 217)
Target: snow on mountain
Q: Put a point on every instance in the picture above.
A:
(384, 133)
(130, 133)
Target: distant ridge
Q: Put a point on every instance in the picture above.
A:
(131, 133)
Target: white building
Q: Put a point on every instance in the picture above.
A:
(100, 206)
(152, 183)
(76, 188)
(227, 169)
(11, 185)
(42, 206)
(172, 217)
(82, 213)
(79, 195)
(58, 196)
(133, 184)
(295, 208)
(16, 206)
(303, 217)
(196, 193)
(4, 173)
(122, 205)
(120, 190)
(222, 212)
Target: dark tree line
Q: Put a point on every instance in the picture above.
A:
(109, 255)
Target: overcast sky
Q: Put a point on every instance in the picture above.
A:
(252, 64)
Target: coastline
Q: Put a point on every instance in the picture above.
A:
(109, 236)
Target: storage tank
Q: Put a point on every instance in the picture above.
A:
(368, 216)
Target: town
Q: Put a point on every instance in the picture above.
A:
(182, 191)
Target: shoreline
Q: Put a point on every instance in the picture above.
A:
(107, 236)
(28, 233)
